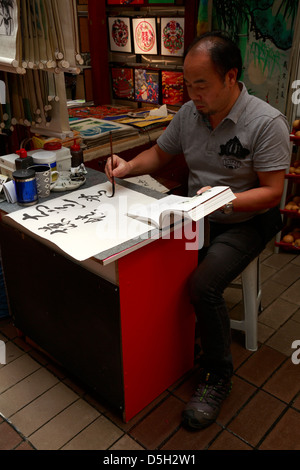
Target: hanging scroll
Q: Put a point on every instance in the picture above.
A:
(172, 36)
(9, 33)
(119, 34)
(39, 34)
(144, 35)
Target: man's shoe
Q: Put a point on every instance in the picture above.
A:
(204, 406)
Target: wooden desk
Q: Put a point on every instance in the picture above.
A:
(123, 325)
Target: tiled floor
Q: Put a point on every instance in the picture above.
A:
(42, 407)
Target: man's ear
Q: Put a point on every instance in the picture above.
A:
(232, 76)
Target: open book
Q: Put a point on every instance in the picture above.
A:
(192, 208)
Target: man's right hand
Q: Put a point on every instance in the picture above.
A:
(120, 168)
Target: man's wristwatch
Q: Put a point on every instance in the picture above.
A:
(227, 208)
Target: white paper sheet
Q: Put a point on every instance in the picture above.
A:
(86, 222)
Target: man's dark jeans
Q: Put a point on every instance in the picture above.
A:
(231, 249)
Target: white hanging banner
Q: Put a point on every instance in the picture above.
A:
(9, 37)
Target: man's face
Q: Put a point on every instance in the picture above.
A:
(211, 94)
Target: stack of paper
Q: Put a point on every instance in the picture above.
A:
(96, 132)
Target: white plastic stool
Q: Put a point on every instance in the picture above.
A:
(252, 303)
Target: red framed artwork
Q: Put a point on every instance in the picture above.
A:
(119, 34)
(172, 87)
(144, 35)
(122, 83)
(172, 36)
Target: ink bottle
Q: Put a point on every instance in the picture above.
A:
(23, 161)
(76, 155)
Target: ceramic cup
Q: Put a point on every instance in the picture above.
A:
(45, 157)
(44, 181)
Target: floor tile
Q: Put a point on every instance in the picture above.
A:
(126, 443)
(99, 435)
(65, 426)
(271, 291)
(24, 446)
(43, 409)
(278, 261)
(228, 441)
(266, 272)
(256, 417)
(296, 403)
(288, 275)
(192, 440)
(261, 365)
(264, 332)
(9, 438)
(284, 384)
(276, 314)
(12, 352)
(239, 353)
(16, 370)
(130, 424)
(164, 419)
(284, 337)
(292, 294)
(285, 435)
(296, 316)
(25, 391)
(240, 393)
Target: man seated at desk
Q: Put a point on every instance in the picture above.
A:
(228, 138)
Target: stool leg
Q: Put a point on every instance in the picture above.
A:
(251, 297)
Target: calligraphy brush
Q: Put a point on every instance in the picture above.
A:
(112, 164)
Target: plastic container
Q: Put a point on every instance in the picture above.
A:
(45, 157)
(63, 155)
(23, 160)
(25, 186)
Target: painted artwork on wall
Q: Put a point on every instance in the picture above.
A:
(122, 83)
(125, 2)
(172, 36)
(264, 32)
(144, 35)
(146, 86)
(119, 34)
(172, 87)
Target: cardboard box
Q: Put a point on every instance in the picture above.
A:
(7, 164)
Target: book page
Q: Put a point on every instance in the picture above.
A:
(182, 205)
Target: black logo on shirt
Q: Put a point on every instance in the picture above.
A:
(234, 148)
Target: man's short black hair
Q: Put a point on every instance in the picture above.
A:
(223, 51)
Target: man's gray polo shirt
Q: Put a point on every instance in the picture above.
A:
(253, 137)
